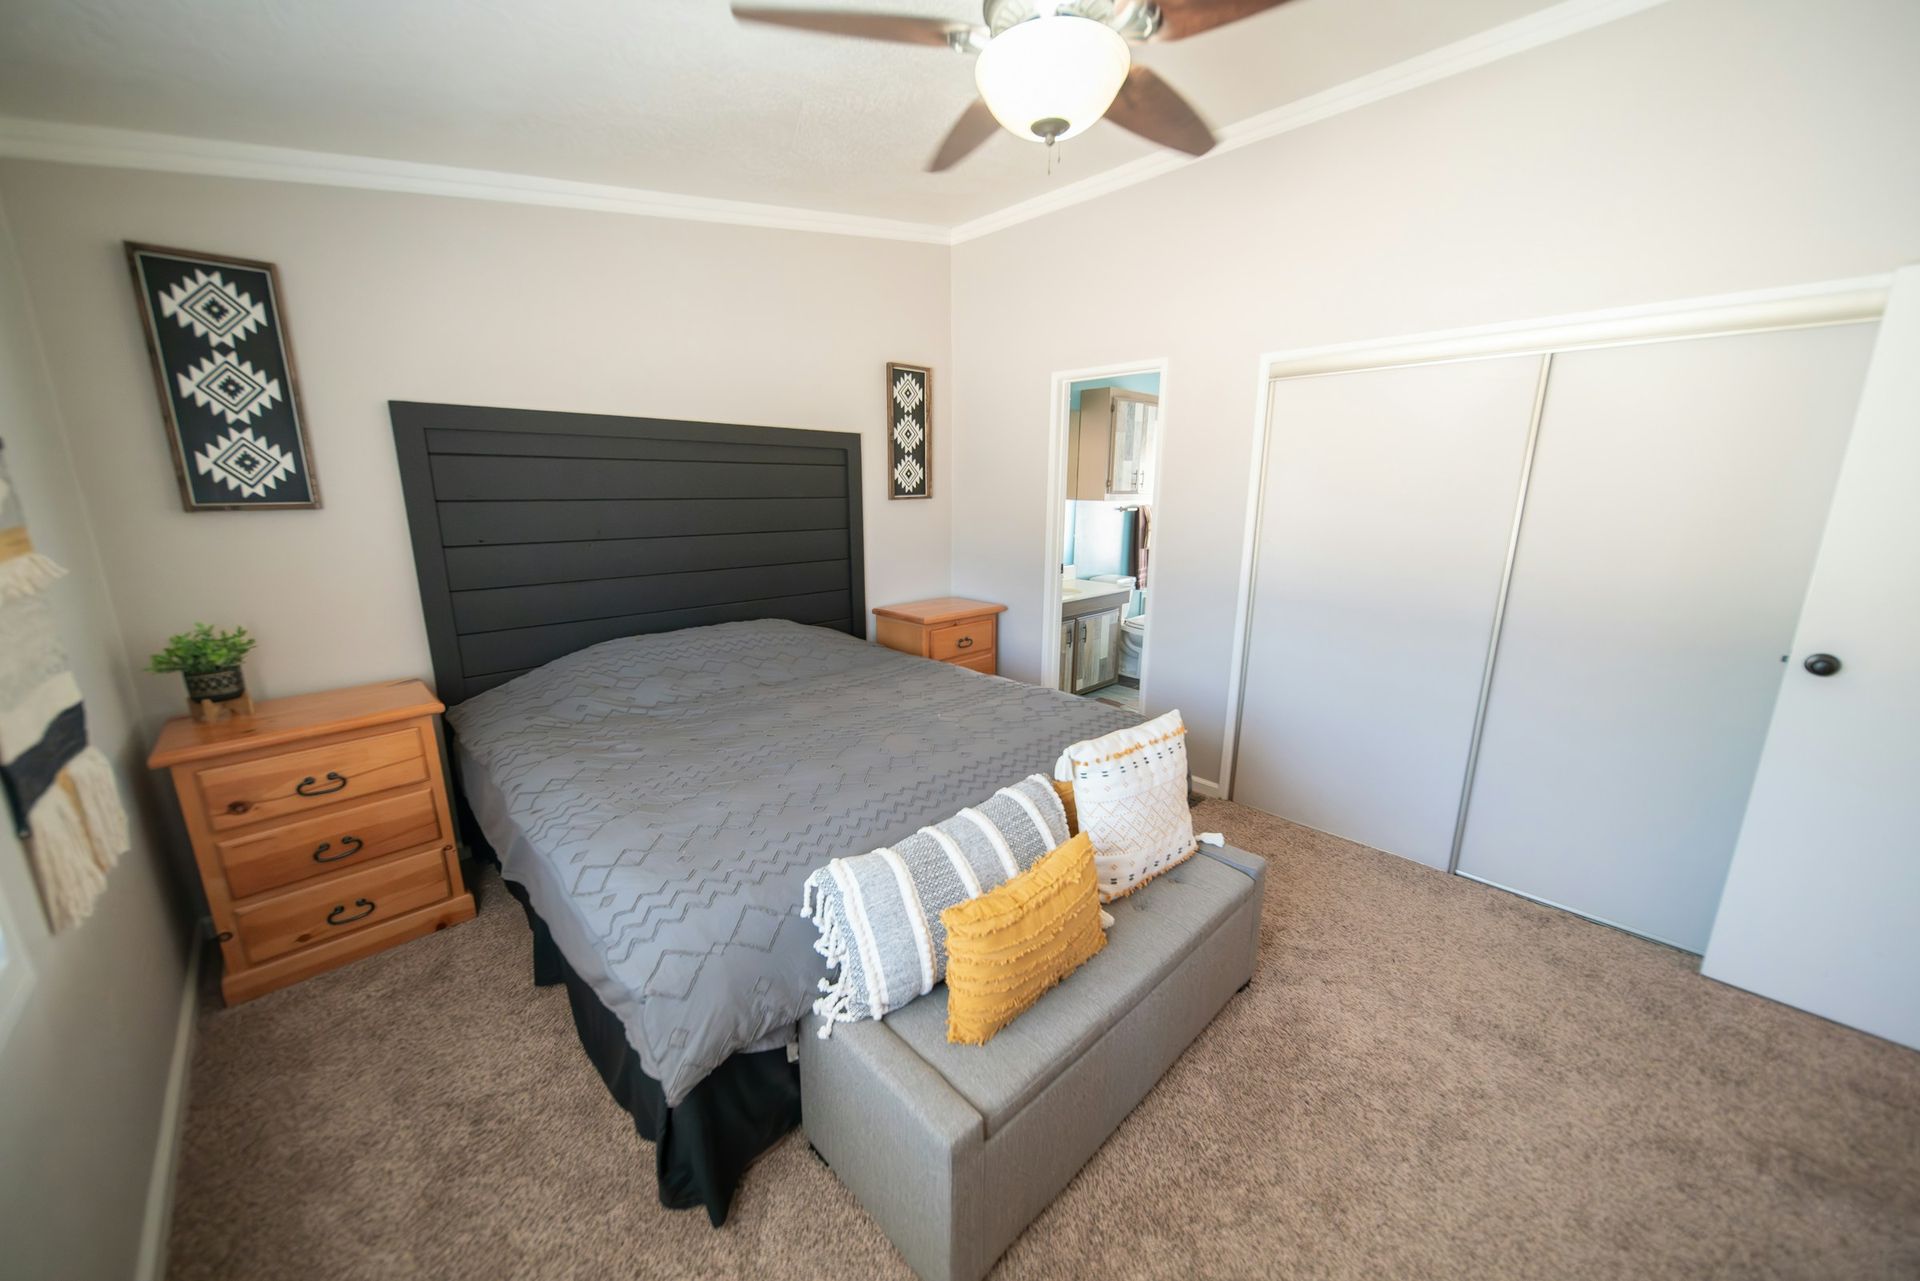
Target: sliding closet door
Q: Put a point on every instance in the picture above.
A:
(1386, 515)
(1677, 495)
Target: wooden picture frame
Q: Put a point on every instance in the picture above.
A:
(216, 334)
(909, 431)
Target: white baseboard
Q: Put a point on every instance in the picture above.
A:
(152, 1264)
(1207, 787)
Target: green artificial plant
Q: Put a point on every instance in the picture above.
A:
(202, 650)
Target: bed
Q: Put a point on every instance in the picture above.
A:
(662, 718)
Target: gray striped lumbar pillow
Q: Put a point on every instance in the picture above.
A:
(879, 913)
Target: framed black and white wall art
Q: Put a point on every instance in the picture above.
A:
(909, 431)
(223, 363)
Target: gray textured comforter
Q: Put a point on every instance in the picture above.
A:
(663, 798)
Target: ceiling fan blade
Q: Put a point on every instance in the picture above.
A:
(975, 125)
(1182, 18)
(1152, 108)
(895, 27)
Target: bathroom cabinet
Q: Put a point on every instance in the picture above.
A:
(1110, 446)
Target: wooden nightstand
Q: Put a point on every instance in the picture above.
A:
(321, 829)
(947, 629)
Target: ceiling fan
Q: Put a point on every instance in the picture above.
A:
(1049, 68)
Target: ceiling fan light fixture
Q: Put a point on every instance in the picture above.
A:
(1052, 76)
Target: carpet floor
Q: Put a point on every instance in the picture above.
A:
(1428, 1078)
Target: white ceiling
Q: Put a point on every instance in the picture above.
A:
(666, 95)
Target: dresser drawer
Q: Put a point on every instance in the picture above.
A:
(970, 639)
(340, 905)
(291, 783)
(339, 837)
(988, 663)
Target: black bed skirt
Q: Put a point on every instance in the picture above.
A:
(702, 1147)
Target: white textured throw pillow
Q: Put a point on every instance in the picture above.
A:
(1130, 791)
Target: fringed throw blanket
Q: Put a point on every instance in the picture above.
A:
(879, 913)
(60, 790)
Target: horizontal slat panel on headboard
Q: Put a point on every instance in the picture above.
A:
(472, 524)
(536, 534)
(511, 444)
(487, 652)
(460, 478)
(494, 608)
(519, 564)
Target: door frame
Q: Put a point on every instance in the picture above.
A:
(1059, 421)
(1830, 302)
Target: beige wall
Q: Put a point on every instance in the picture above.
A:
(400, 297)
(1701, 147)
(84, 1070)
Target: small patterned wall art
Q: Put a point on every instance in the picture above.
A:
(224, 366)
(909, 431)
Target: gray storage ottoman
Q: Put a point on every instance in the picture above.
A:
(954, 1149)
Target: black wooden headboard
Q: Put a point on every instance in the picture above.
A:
(536, 534)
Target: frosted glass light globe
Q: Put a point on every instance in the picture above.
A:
(1052, 76)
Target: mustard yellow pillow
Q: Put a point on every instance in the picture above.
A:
(1007, 947)
(1064, 786)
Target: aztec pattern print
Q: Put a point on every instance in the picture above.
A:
(664, 798)
(1130, 796)
(910, 415)
(879, 913)
(226, 381)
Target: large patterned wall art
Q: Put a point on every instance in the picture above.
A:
(224, 365)
(909, 431)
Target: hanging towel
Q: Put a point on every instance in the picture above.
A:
(60, 790)
(1142, 543)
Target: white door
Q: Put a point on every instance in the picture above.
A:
(1675, 505)
(1386, 514)
(1822, 903)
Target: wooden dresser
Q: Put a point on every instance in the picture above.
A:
(947, 629)
(321, 829)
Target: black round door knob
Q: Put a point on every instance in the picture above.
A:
(1822, 664)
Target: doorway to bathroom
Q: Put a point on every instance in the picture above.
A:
(1107, 447)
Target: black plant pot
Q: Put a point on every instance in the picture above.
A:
(222, 686)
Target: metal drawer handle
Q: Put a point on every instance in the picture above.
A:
(338, 780)
(364, 904)
(349, 846)
(965, 642)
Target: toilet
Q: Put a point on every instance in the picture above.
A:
(1133, 625)
(1133, 640)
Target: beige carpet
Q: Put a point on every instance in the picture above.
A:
(1428, 1078)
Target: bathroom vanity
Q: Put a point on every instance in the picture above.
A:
(1090, 614)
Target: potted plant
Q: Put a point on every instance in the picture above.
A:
(209, 662)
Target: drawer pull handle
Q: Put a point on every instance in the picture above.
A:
(239, 807)
(349, 846)
(364, 904)
(306, 786)
(965, 642)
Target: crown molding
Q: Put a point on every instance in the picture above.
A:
(1568, 18)
(171, 153)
